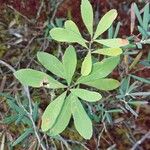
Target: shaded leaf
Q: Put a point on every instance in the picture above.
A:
(104, 84)
(136, 60)
(105, 22)
(109, 51)
(82, 122)
(101, 69)
(142, 31)
(86, 95)
(146, 16)
(52, 112)
(117, 30)
(117, 42)
(51, 63)
(86, 65)
(141, 79)
(87, 15)
(23, 136)
(138, 15)
(69, 63)
(132, 14)
(30, 77)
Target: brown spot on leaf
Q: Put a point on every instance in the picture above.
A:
(45, 83)
(124, 42)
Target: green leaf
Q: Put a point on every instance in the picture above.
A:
(146, 16)
(70, 33)
(109, 51)
(141, 79)
(82, 122)
(137, 12)
(117, 42)
(87, 15)
(23, 136)
(10, 119)
(117, 30)
(86, 95)
(63, 118)
(86, 65)
(105, 22)
(142, 31)
(104, 84)
(30, 77)
(52, 112)
(101, 69)
(69, 63)
(51, 63)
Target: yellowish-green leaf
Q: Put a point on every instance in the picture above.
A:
(63, 118)
(30, 77)
(69, 33)
(86, 95)
(104, 84)
(117, 42)
(52, 112)
(87, 15)
(86, 65)
(109, 51)
(70, 25)
(101, 69)
(69, 63)
(105, 22)
(51, 63)
(82, 122)
(136, 60)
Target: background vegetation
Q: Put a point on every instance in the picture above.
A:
(121, 120)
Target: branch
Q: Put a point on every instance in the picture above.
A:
(147, 135)
(26, 90)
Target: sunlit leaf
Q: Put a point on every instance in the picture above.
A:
(101, 69)
(63, 118)
(51, 63)
(30, 77)
(104, 84)
(82, 122)
(52, 112)
(117, 42)
(109, 51)
(86, 95)
(105, 22)
(86, 65)
(69, 63)
(69, 33)
(87, 15)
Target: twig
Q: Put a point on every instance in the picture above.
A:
(40, 9)
(26, 90)
(99, 137)
(79, 143)
(147, 135)
(7, 65)
(55, 11)
(65, 142)
(9, 6)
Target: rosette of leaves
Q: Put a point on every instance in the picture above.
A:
(59, 112)
(71, 34)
